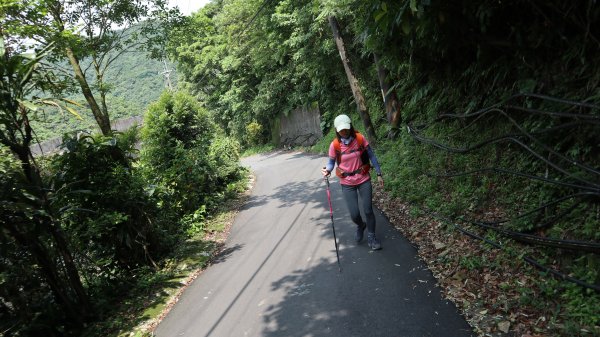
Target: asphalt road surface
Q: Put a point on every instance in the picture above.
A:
(278, 274)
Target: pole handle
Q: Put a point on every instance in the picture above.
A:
(326, 178)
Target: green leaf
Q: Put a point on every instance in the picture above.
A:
(405, 27)
(29, 105)
(74, 112)
(379, 15)
(72, 102)
(49, 102)
(110, 142)
(29, 56)
(413, 5)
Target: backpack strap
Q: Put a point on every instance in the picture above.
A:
(365, 167)
(361, 140)
(337, 146)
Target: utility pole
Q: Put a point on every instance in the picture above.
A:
(167, 73)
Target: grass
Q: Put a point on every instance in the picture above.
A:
(258, 149)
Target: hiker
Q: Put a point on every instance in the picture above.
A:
(352, 153)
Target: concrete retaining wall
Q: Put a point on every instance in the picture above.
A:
(52, 145)
(302, 127)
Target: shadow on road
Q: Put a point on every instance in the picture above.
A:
(222, 255)
(320, 301)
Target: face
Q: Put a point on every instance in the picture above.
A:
(344, 133)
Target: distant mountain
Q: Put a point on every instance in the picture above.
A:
(139, 79)
(136, 82)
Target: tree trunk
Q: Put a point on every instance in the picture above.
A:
(356, 91)
(36, 248)
(100, 84)
(390, 100)
(101, 118)
(34, 180)
(71, 269)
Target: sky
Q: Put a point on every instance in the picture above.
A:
(188, 6)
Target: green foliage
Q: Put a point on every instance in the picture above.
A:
(254, 133)
(285, 60)
(247, 63)
(194, 223)
(188, 163)
(419, 172)
(103, 205)
(21, 282)
(86, 43)
(258, 149)
(472, 262)
(176, 136)
(224, 155)
(135, 80)
(40, 282)
(9, 166)
(120, 217)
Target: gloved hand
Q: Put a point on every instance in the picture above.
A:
(380, 180)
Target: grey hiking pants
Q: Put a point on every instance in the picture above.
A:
(350, 194)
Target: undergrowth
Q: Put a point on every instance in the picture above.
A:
(450, 171)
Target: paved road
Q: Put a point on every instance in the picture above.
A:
(278, 275)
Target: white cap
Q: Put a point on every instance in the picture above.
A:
(342, 122)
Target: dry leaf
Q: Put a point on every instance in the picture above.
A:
(438, 245)
(504, 326)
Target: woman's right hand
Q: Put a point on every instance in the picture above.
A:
(325, 172)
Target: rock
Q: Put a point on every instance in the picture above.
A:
(504, 326)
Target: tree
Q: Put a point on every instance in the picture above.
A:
(390, 100)
(249, 62)
(87, 30)
(26, 214)
(353, 81)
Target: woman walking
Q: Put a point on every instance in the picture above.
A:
(352, 154)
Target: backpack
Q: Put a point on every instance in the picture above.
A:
(364, 157)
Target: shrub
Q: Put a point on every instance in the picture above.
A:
(254, 133)
(176, 137)
(103, 205)
(186, 160)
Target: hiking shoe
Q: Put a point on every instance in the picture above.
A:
(373, 242)
(360, 230)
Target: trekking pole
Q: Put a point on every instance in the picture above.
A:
(337, 252)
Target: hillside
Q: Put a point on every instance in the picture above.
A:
(136, 81)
